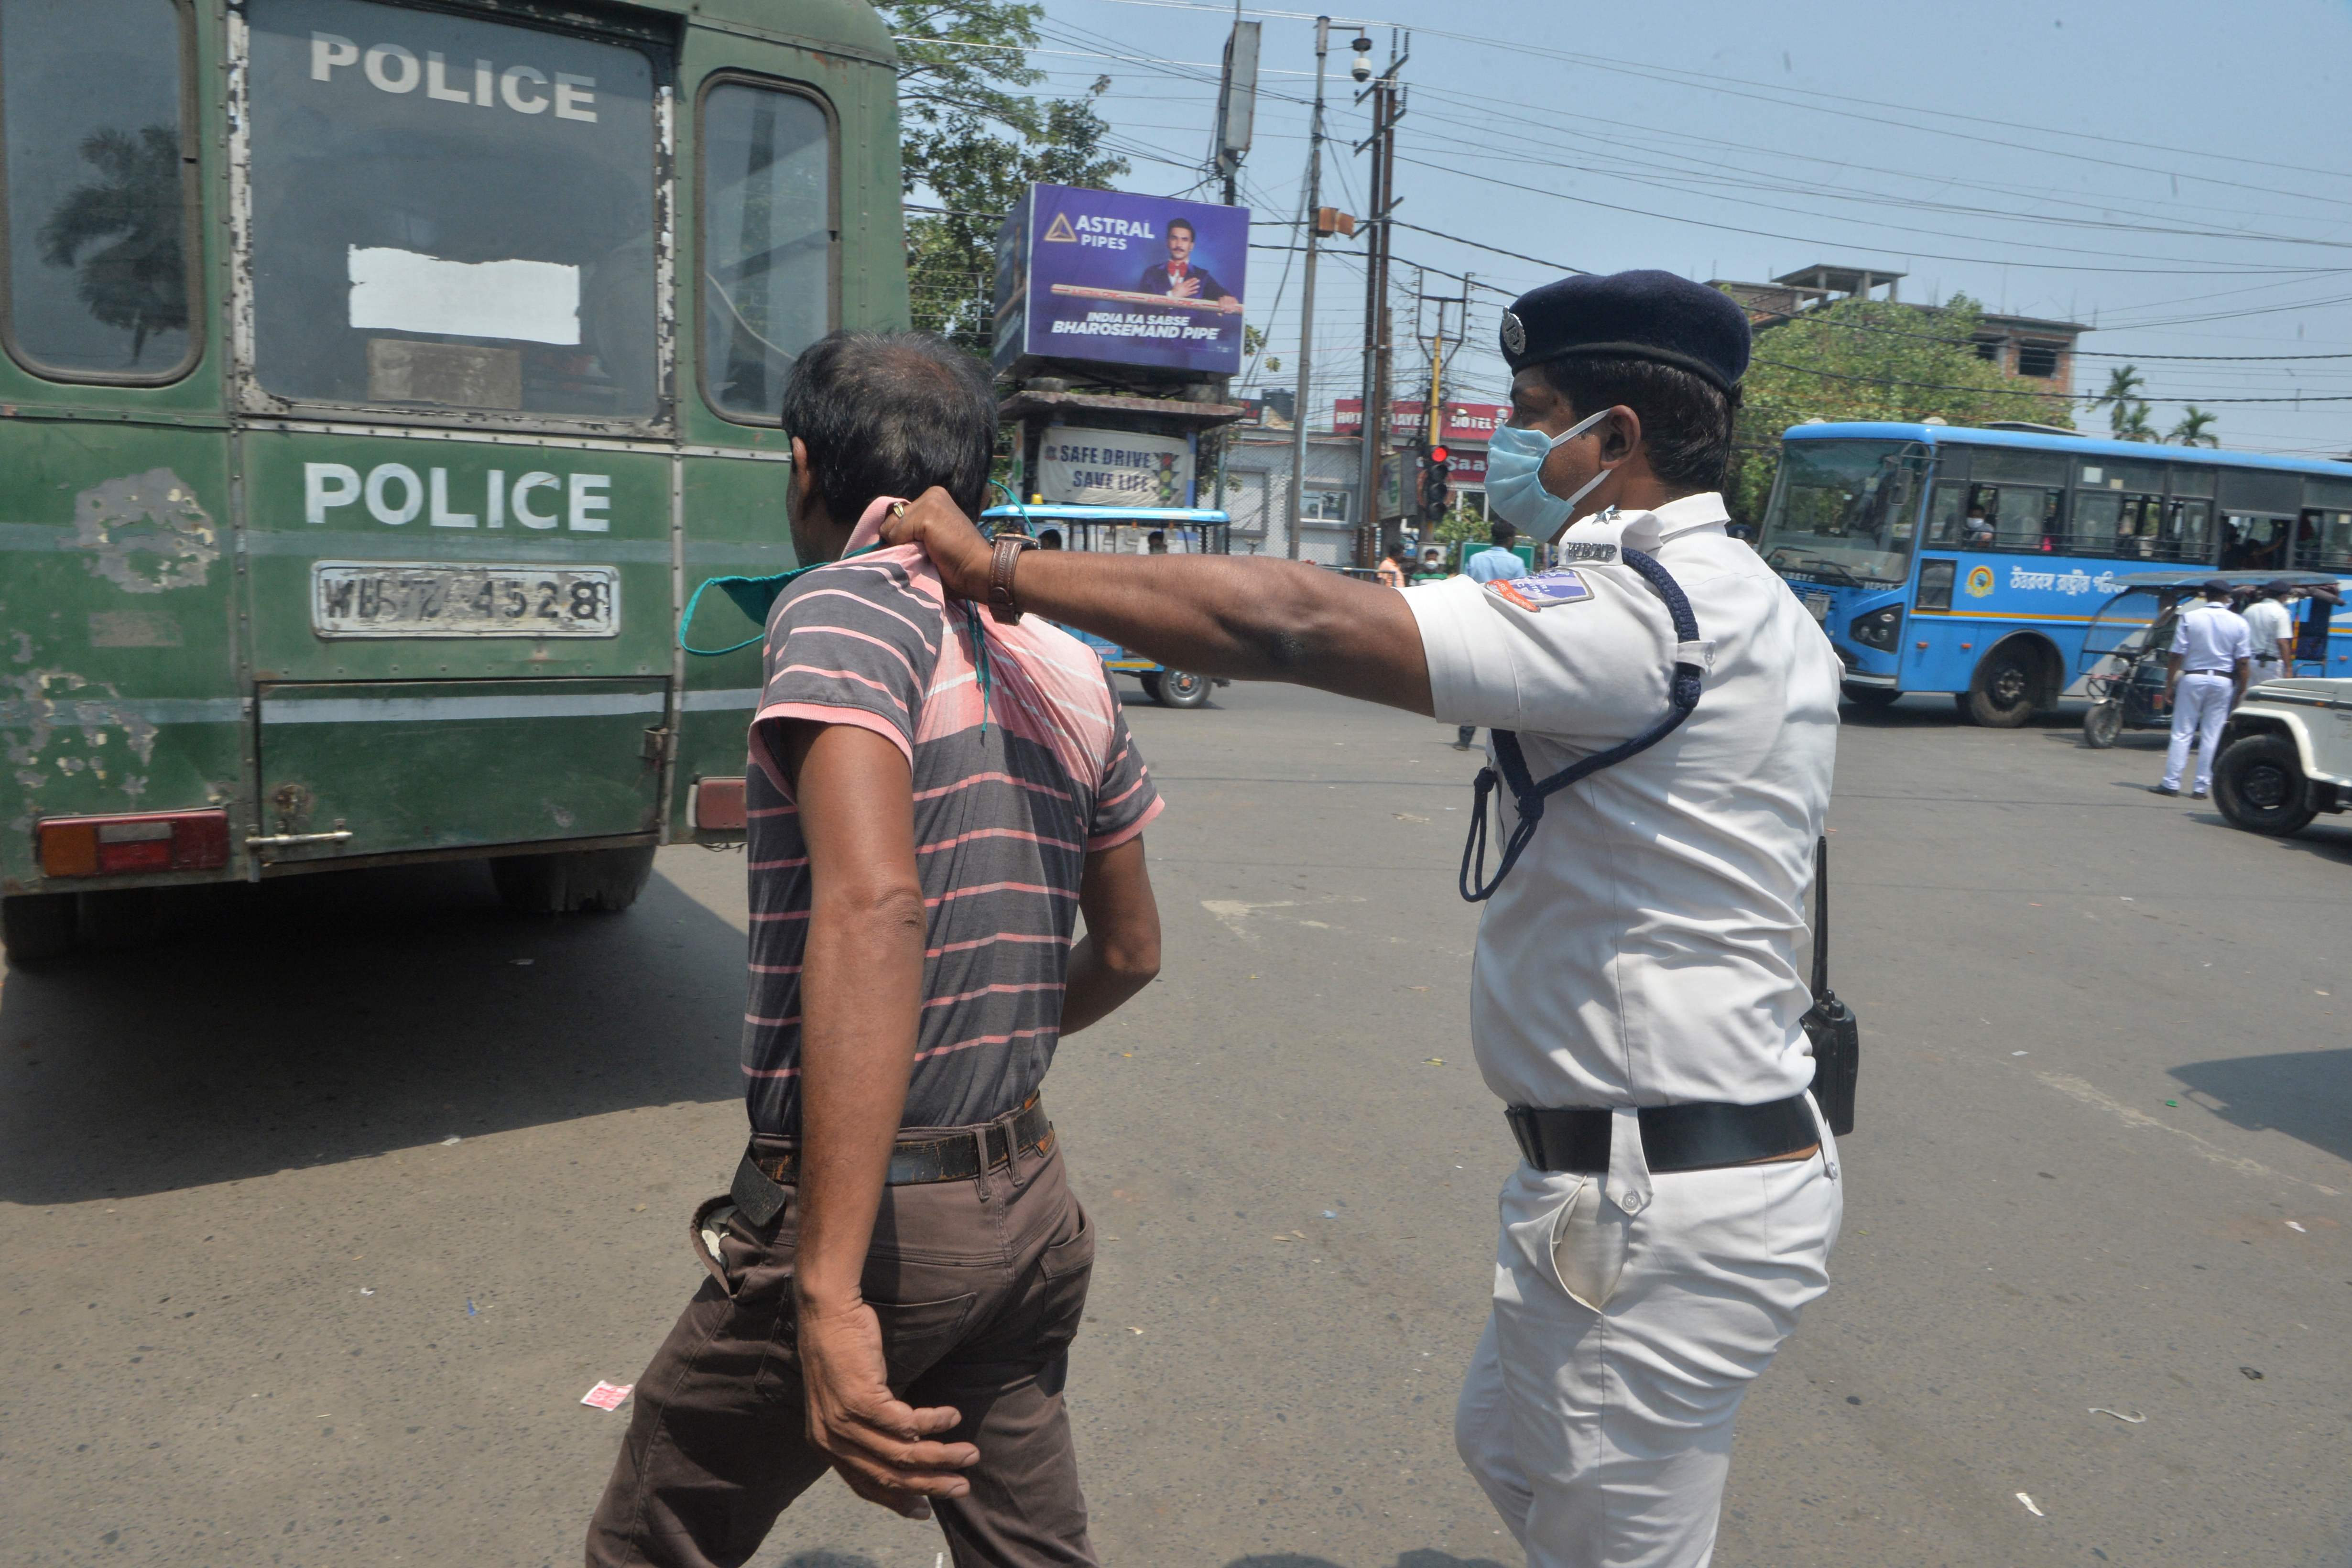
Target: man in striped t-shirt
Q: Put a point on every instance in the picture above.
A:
(934, 797)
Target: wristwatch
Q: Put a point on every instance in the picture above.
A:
(1002, 604)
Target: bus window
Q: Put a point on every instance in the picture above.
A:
(1947, 507)
(2187, 535)
(2326, 543)
(100, 248)
(450, 214)
(2022, 517)
(2253, 544)
(767, 242)
(2116, 523)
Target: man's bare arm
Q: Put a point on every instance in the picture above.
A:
(861, 994)
(1119, 954)
(1241, 618)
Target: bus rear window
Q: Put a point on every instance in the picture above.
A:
(98, 251)
(767, 242)
(450, 214)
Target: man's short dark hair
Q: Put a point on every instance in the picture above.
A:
(1502, 533)
(1186, 224)
(891, 414)
(1685, 422)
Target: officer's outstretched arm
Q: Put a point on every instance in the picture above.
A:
(1243, 618)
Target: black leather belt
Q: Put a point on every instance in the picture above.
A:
(763, 1176)
(1701, 1136)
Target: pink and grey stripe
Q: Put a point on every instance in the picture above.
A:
(1005, 814)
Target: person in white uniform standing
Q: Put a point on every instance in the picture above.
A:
(2212, 659)
(2271, 625)
(1665, 724)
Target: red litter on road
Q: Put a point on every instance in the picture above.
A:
(607, 1396)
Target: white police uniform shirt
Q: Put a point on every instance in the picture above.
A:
(2269, 624)
(1642, 951)
(2212, 639)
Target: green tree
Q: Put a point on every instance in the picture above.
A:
(971, 137)
(2195, 427)
(1869, 359)
(2132, 425)
(2126, 413)
(122, 234)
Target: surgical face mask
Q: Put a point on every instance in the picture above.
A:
(1514, 486)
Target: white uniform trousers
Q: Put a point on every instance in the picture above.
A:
(2199, 708)
(1603, 1437)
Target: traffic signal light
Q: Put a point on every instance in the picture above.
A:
(1436, 474)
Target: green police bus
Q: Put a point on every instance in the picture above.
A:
(379, 378)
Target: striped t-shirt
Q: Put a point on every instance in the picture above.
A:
(1010, 796)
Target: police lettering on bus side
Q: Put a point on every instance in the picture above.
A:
(396, 494)
(390, 68)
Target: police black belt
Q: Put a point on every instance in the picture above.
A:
(1700, 1136)
(947, 1157)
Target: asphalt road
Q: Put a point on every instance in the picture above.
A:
(256, 1311)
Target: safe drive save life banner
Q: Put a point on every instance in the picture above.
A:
(1123, 279)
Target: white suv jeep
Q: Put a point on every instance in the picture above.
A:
(2287, 755)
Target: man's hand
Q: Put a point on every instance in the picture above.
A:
(879, 1442)
(1185, 287)
(1228, 304)
(934, 521)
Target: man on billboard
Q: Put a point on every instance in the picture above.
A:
(1178, 278)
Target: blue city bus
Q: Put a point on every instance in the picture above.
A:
(1130, 530)
(1971, 561)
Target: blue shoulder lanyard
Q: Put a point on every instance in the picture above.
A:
(1531, 792)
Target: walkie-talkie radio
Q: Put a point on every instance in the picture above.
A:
(1829, 1023)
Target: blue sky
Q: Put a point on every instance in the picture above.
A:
(2175, 173)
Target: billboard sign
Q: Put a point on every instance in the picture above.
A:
(1113, 467)
(1122, 278)
(1463, 421)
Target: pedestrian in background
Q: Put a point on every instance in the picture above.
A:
(1497, 559)
(935, 795)
(2212, 655)
(1391, 575)
(2271, 625)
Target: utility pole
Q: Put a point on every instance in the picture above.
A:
(1387, 107)
(1306, 301)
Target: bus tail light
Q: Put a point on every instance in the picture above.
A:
(719, 806)
(153, 841)
(1878, 630)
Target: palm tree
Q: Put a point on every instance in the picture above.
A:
(2131, 424)
(2195, 427)
(139, 281)
(2124, 383)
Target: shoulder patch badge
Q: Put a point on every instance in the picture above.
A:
(1561, 585)
(1587, 552)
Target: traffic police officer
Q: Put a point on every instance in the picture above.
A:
(1665, 718)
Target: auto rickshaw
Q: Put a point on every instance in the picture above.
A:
(1127, 531)
(2128, 643)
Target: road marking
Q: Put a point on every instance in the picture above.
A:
(2075, 1088)
(1231, 912)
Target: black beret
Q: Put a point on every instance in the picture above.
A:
(1638, 315)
